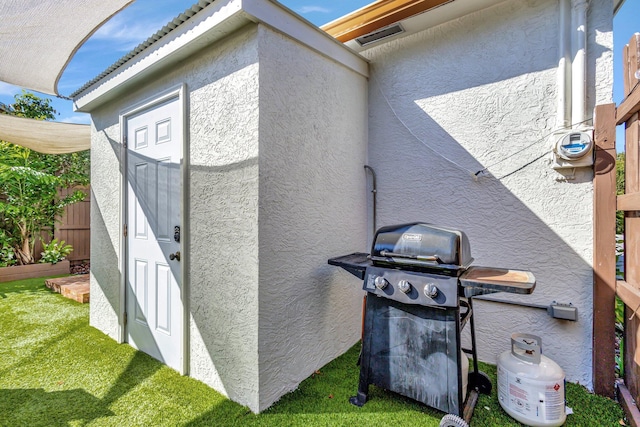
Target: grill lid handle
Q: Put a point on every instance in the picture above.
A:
(431, 258)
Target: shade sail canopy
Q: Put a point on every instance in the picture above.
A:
(45, 137)
(39, 37)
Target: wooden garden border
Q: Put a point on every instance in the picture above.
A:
(19, 272)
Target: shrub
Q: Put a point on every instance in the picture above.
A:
(55, 251)
(7, 256)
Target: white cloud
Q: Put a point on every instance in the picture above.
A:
(126, 33)
(311, 9)
(83, 119)
(8, 89)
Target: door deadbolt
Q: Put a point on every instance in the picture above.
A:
(176, 233)
(175, 256)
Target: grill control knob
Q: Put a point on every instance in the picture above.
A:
(404, 286)
(380, 282)
(431, 290)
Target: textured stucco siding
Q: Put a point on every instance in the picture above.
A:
(480, 91)
(221, 229)
(224, 218)
(313, 127)
(105, 277)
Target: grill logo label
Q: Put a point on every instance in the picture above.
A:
(412, 237)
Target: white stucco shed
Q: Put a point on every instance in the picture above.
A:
(247, 128)
(270, 120)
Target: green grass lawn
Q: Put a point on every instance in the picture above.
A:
(56, 370)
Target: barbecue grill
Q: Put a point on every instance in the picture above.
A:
(420, 284)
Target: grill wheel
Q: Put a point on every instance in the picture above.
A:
(451, 420)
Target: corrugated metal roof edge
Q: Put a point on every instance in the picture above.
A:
(170, 26)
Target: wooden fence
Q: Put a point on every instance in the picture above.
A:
(72, 227)
(605, 205)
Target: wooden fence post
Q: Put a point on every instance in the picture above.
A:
(604, 256)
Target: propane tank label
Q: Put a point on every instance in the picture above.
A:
(535, 400)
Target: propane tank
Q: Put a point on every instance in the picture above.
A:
(530, 385)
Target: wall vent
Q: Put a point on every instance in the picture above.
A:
(380, 34)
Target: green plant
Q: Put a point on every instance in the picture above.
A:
(7, 257)
(620, 184)
(29, 195)
(55, 251)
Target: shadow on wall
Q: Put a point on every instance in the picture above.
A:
(531, 219)
(503, 231)
(213, 189)
(223, 248)
(105, 269)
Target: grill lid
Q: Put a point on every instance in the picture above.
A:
(421, 246)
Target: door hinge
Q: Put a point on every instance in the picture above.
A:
(124, 318)
(124, 143)
(125, 230)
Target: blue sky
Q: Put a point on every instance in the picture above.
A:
(144, 17)
(135, 24)
(625, 24)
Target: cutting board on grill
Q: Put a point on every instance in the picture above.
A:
(499, 279)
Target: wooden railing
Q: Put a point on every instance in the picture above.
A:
(629, 289)
(607, 117)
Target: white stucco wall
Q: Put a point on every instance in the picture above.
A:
(475, 91)
(313, 128)
(221, 228)
(277, 144)
(105, 225)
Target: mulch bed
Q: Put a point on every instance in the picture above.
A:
(80, 268)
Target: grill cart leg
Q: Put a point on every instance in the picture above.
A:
(477, 380)
(364, 360)
(363, 386)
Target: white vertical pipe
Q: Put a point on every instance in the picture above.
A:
(579, 63)
(564, 64)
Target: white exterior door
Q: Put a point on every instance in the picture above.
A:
(154, 282)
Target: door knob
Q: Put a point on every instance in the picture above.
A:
(175, 256)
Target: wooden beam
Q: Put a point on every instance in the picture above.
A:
(630, 65)
(633, 56)
(632, 162)
(629, 294)
(629, 202)
(632, 261)
(628, 405)
(626, 86)
(632, 218)
(379, 14)
(628, 107)
(604, 256)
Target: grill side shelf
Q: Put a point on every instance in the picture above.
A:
(355, 263)
(499, 279)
